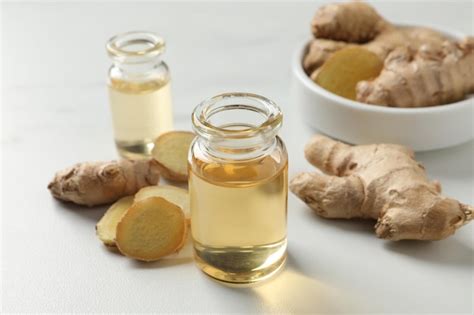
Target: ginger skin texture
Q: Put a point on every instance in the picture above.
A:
(416, 58)
(427, 77)
(97, 183)
(382, 182)
(354, 22)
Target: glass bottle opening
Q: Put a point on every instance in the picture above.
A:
(236, 116)
(135, 47)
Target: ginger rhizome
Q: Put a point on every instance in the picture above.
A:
(354, 22)
(427, 77)
(382, 182)
(415, 57)
(97, 183)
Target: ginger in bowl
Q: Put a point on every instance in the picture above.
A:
(363, 80)
(359, 55)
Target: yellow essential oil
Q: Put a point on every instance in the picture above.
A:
(238, 196)
(140, 113)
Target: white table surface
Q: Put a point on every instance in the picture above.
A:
(55, 113)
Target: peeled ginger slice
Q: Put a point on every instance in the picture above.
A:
(176, 195)
(171, 154)
(151, 229)
(107, 225)
(345, 68)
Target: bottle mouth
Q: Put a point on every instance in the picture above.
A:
(237, 116)
(135, 47)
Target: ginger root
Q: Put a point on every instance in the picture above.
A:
(382, 182)
(346, 68)
(97, 183)
(420, 56)
(428, 77)
(319, 49)
(354, 22)
(171, 154)
(151, 229)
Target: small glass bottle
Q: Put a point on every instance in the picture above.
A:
(238, 185)
(139, 92)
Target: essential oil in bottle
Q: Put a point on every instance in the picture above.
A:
(238, 189)
(139, 92)
(140, 112)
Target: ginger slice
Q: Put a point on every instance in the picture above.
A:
(345, 68)
(171, 154)
(176, 195)
(150, 229)
(107, 225)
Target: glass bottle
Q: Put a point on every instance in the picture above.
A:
(139, 92)
(238, 185)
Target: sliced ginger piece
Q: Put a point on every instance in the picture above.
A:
(345, 68)
(151, 228)
(176, 195)
(171, 154)
(107, 225)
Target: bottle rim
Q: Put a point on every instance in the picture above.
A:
(202, 113)
(135, 46)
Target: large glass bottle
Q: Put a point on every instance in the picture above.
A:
(139, 92)
(238, 188)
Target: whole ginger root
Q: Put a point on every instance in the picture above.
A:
(415, 57)
(430, 76)
(97, 183)
(353, 22)
(382, 182)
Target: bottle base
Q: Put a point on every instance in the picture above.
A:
(241, 265)
(135, 150)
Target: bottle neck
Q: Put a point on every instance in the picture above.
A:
(139, 68)
(232, 149)
(237, 126)
(136, 53)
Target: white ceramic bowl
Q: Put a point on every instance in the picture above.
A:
(422, 129)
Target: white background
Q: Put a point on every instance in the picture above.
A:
(55, 113)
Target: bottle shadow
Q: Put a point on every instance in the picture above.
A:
(292, 290)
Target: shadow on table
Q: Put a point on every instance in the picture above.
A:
(357, 226)
(88, 213)
(450, 162)
(449, 251)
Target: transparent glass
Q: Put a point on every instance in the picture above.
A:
(238, 185)
(139, 92)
